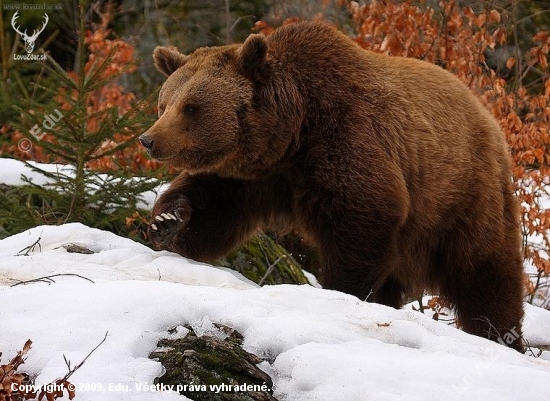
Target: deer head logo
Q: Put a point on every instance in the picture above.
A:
(29, 40)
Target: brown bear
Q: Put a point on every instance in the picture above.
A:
(390, 166)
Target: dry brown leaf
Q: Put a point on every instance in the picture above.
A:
(494, 15)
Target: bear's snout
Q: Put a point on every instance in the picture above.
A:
(146, 142)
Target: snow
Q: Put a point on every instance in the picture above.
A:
(319, 344)
(12, 172)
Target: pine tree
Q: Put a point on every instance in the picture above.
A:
(89, 127)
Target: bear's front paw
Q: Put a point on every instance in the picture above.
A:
(166, 226)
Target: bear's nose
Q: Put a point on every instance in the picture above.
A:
(146, 141)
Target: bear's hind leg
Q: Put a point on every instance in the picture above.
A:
(489, 298)
(391, 293)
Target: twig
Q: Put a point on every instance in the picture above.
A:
(68, 363)
(49, 280)
(494, 333)
(237, 23)
(30, 248)
(209, 32)
(227, 22)
(528, 348)
(420, 303)
(519, 60)
(63, 383)
(270, 268)
(539, 275)
(437, 37)
(368, 295)
(522, 20)
(262, 249)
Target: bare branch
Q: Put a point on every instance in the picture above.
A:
(270, 268)
(71, 371)
(30, 248)
(49, 280)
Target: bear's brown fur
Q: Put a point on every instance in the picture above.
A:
(390, 166)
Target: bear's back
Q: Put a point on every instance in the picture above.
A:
(447, 146)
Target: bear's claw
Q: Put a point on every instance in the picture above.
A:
(167, 226)
(165, 229)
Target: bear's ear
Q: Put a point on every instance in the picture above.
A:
(167, 60)
(253, 55)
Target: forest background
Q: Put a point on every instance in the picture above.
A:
(85, 105)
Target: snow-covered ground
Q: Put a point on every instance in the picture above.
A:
(322, 345)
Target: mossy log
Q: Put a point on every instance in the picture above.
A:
(198, 366)
(264, 261)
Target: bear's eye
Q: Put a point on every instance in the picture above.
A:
(190, 109)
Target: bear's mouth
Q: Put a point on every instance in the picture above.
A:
(178, 159)
(173, 159)
(193, 159)
(165, 158)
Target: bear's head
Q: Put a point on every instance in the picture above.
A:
(223, 110)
